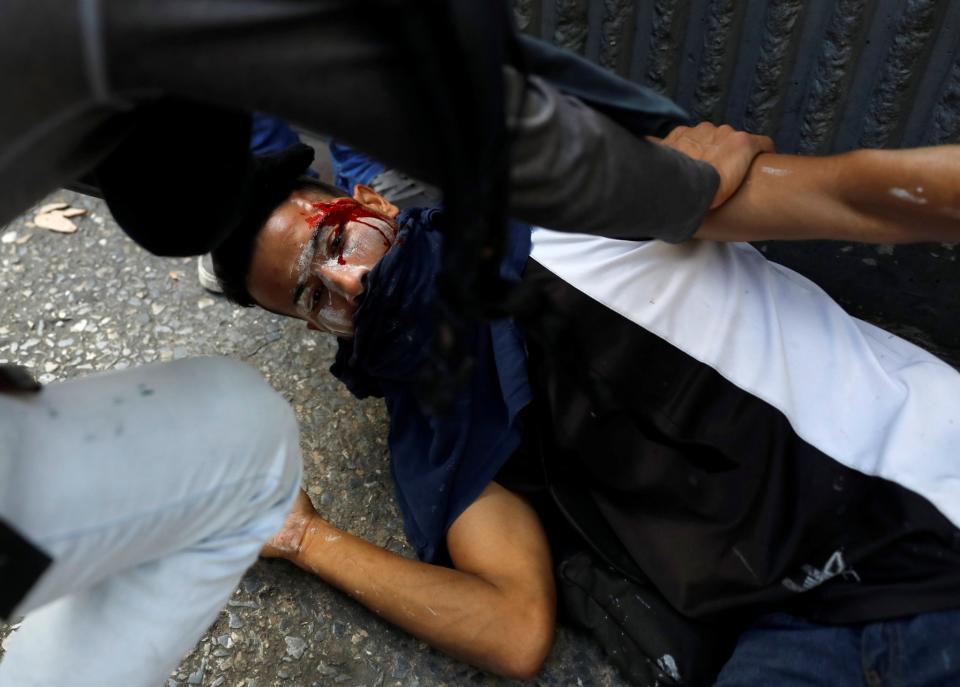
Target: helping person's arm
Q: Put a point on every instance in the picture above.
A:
(495, 610)
(872, 196)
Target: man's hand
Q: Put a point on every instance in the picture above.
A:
(729, 151)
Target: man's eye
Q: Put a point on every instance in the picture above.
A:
(315, 297)
(336, 239)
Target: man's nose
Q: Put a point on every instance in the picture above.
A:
(345, 280)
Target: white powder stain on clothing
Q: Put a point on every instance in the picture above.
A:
(776, 171)
(668, 665)
(905, 195)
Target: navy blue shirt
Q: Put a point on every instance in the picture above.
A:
(440, 461)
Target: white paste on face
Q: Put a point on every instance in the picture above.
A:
(776, 171)
(334, 322)
(363, 244)
(904, 194)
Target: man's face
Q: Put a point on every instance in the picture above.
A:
(310, 258)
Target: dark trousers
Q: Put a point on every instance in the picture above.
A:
(783, 650)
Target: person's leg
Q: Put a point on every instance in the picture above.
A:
(153, 491)
(786, 651)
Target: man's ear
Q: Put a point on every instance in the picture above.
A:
(367, 197)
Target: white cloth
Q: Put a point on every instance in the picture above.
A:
(153, 490)
(866, 398)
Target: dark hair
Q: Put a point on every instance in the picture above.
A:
(231, 259)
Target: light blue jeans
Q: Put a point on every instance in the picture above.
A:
(153, 490)
(784, 651)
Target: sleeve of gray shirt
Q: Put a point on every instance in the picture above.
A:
(574, 169)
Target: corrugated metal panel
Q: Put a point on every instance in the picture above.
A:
(817, 75)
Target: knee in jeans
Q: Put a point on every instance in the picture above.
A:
(256, 415)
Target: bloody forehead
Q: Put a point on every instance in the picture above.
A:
(337, 212)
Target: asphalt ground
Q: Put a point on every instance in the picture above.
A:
(77, 304)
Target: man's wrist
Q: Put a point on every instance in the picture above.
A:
(316, 532)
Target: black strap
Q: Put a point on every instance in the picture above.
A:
(460, 47)
(21, 564)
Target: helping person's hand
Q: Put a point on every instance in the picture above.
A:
(731, 152)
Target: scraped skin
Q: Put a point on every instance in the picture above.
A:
(310, 259)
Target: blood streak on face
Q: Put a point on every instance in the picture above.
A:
(338, 213)
(348, 238)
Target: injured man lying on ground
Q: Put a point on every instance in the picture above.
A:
(692, 452)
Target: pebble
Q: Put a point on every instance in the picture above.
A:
(196, 677)
(295, 646)
(327, 671)
(401, 667)
(242, 604)
(9, 237)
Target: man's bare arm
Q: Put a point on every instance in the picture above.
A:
(496, 610)
(873, 196)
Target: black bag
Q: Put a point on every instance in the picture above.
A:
(642, 635)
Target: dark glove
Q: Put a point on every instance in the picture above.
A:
(14, 379)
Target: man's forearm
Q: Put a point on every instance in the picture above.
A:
(462, 614)
(874, 196)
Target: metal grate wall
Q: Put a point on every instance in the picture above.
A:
(819, 76)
